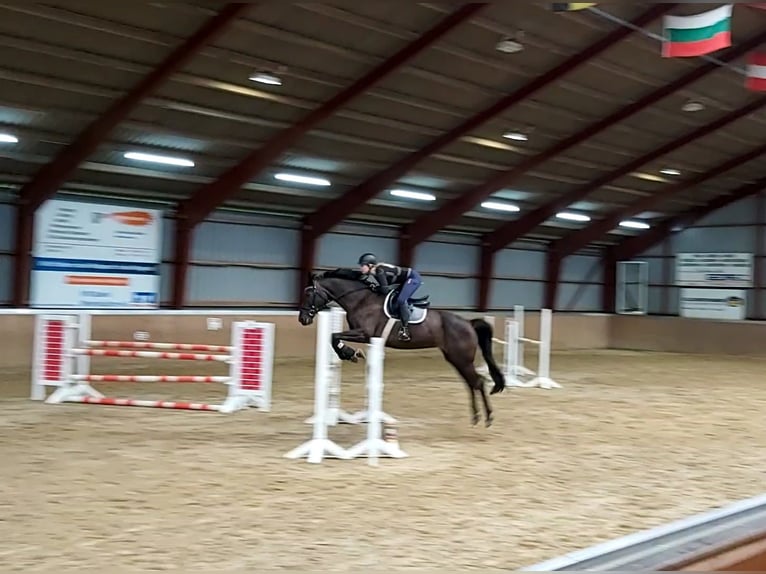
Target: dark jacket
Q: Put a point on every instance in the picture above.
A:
(388, 274)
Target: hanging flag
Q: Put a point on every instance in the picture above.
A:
(571, 6)
(756, 72)
(698, 34)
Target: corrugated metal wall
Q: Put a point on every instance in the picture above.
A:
(246, 259)
(731, 229)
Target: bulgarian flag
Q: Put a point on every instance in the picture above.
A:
(756, 72)
(698, 34)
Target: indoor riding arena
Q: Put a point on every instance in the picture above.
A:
(204, 204)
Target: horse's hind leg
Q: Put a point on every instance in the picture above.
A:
(474, 382)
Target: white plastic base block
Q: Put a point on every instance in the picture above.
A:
(240, 402)
(317, 449)
(544, 383)
(374, 448)
(73, 392)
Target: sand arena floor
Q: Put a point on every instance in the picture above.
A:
(631, 441)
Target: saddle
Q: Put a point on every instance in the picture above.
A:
(418, 307)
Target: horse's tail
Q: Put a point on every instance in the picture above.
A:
(484, 333)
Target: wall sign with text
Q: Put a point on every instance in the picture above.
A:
(714, 270)
(93, 255)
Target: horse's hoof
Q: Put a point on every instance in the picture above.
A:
(489, 422)
(475, 420)
(360, 354)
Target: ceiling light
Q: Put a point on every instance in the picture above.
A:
(159, 159)
(266, 78)
(500, 206)
(516, 136)
(8, 138)
(302, 179)
(635, 224)
(572, 216)
(413, 194)
(670, 171)
(693, 106)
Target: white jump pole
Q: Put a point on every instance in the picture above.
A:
(519, 368)
(335, 414)
(320, 446)
(542, 378)
(374, 446)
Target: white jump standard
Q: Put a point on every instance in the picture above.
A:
(329, 366)
(513, 351)
(320, 446)
(59, 363)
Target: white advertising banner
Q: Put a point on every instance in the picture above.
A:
(730, 304)
(92, 255)
(714, 269)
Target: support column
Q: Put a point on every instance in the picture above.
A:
(306, 259)
(758, 256)
(553, 269)
(181, 262)
(22, 267)
(486, 268)
(608, 292)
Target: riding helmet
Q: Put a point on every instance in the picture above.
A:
(368, 259)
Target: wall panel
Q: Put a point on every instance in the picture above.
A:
(521, 264)
(505, 293)
(715, 239)
(734, 228)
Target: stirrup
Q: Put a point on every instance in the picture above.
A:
(404, 334)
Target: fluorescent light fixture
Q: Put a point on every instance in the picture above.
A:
(500, 206)
(302, 179)
(516, 136)
(8, 138)
(266, 78)
(634, 224)
(693, 106)
(413, 194)
(572, 216)
(670, 171)
(150, 157)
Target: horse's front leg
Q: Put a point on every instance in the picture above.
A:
(345, 352)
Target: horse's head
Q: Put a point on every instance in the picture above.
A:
(315, 299)
(324, 288)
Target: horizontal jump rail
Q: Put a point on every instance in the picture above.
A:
(166, 346)
(115, 402)
(150, 355)
(532, 341)
(150, 379)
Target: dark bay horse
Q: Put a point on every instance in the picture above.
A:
(456, 337)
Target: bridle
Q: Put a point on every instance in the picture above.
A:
(318, 298)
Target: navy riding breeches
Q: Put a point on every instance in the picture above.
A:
(410, 286)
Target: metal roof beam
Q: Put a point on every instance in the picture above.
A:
(209, 197)
(575, 241)
(333, 212)
(513, 230)
(632, 246)
(49, 179)
(429, 223)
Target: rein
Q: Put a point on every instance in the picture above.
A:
(327, 296)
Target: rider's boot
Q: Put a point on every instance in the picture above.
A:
(404, 318)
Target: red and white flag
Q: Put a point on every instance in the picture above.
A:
(756, 72)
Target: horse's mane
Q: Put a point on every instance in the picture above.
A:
(348, 274)
(342, 273)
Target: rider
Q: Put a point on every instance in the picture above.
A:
(389, 276)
